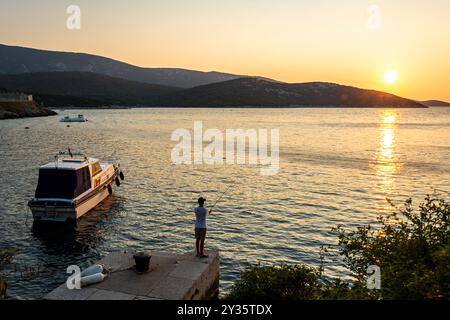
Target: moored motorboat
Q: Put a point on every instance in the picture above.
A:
(79, 118)
(71, 186)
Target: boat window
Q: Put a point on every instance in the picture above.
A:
(83, 181)
(96, 168)
(63, 184)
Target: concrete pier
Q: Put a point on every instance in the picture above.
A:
(171, 277)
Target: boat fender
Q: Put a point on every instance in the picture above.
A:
(109, 189)
(96, 268)
(117, 182)
(93, 278)
(122, 177)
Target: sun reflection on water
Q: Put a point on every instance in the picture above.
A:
(387, 144)
(386, 163)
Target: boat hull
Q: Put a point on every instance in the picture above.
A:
(72, 120)
(54, 211)
(61, 210)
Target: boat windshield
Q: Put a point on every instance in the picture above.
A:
(62, 183)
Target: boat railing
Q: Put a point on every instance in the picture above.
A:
(70, 154)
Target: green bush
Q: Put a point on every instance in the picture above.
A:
(283, 282)
(341, 290)
(411, 247)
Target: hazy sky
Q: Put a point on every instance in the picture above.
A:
(289, 40)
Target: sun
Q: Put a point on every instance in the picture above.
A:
(390, 77)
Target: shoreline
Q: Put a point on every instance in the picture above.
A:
(230, 107)
(52, 111)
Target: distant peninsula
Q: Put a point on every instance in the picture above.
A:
(19, 105)
(436, 103)
(257, 92)
(87, 89)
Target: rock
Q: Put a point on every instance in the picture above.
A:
(22, 109)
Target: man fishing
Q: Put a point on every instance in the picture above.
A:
(200, 227)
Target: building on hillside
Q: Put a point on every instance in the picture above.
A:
(15, 96)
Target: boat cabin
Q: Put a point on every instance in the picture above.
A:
(67, 178)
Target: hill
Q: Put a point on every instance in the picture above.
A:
(436, 103)
(86, 89)
(56, 89)
(261, 93)
(16, 60)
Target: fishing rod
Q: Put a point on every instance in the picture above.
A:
(221, 196)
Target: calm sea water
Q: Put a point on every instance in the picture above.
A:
(337, 166)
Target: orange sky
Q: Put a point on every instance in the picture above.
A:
(288, 40)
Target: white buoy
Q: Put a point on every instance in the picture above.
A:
(96, 268)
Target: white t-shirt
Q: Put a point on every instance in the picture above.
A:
(200, 217)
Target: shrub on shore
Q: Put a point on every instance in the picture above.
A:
(412, 249)
(6, 256)
(283, 282)
(410, 246)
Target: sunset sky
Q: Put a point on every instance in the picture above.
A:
(288, 40)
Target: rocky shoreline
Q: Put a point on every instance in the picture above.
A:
(23, 109)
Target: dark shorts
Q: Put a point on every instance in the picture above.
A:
(200, 233)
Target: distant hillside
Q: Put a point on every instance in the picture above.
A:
(260, 93)
(56, 89)
(15, 60)
(86, 89)
(436, 103)
(11, 110)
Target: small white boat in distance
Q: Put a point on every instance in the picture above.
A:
(79, 118)
(71, 186)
